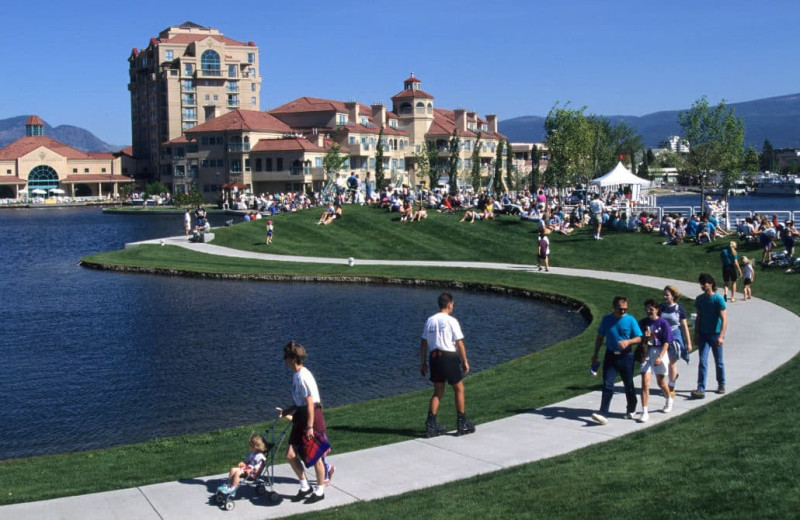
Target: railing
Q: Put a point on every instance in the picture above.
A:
(239, 147)
(233, 102)
(209, 73)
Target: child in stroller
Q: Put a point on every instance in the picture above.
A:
(257, 469)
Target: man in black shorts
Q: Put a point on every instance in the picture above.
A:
(443, 343)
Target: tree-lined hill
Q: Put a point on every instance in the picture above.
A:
(776, 119)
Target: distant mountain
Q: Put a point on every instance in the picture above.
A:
(13, 128)
(776, 119)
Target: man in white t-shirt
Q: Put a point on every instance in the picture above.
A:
(443, 344)
(596, 208)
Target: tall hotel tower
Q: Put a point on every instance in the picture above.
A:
(185, 77)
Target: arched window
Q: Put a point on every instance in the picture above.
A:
(430, 108)
(420, 107)
(43, 178)
(405, 108)
(209, 62)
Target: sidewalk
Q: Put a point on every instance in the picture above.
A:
(420, 463)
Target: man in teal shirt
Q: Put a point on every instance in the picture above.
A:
(709, 332)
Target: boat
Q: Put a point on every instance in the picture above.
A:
(777, 185)
(738, 188)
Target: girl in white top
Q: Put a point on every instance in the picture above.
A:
(749, 275)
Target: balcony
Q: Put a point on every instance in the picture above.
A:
(233, 102)
(293, 174)
(233, 87)
(209, 73)
(239, 147)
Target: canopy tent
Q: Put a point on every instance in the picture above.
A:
(621, 176)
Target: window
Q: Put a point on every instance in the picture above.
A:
(209, 62)
(341, 119)
(252, 72)
(169, 55)
(180, 170)
(231, 71)
(401, 164)
(74, 170)
(253, 87)
(43, 178)
(364, 120)
(318, 162)
(187, 85)
(393, 123)
(190, 114)
(188, 69)
(258, 164)
(251, 57)
(353, 139)
(253, 101)
(268, 164)
(371, 163)
(279, 164)
(236, 166)
(467, 144)
(86, 170)
(102, 170)
(247, 164)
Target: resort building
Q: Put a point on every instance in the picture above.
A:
(41, 166)
(187, 75)
(283, 149)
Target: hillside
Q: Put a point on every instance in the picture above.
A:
(776, 119)
(13, 128)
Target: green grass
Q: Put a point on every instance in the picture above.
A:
(706, 469)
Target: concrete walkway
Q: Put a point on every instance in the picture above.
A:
(421, 463)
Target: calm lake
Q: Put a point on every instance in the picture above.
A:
(93, 359)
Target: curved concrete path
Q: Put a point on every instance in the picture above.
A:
(420, 463)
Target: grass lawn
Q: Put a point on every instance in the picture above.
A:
(701, 467)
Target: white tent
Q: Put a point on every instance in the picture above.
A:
(621, 176)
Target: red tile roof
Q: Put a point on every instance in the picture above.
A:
(242, 120)
(409, 93)
(189, 38)
(412, 79)
(25, 145)
(9, 179)
(34, 120)
(311, 104)
(286, 145)
(361, 129)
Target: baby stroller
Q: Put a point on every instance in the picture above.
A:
(263, 476)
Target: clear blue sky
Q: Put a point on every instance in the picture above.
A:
(67, 61)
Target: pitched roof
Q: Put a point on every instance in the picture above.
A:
(189, 38)
(285, 145)
(27, 144)
(8, 179)
(34, 120)
(410, 93)
(312, 104)
(242, 120)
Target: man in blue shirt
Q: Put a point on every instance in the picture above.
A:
(621, 331)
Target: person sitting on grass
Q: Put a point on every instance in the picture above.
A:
(406, 211)
(337, 214)
(329, 212)
(420, 214)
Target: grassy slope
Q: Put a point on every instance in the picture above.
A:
(705, 475)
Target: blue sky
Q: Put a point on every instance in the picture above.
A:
(67, 61)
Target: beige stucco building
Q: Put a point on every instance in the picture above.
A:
(40, 165)
(283, 149)
(187, 75)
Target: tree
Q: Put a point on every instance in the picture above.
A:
(571, 139)
(766, 161)
(452, 162)
(536, 157)
(499, 184)
(425, 164)
(333, 161)
(716, 142)
(511, 183)
(644, 168)
(476, 164)
(750, 162)
(155, 188)
(379, 173)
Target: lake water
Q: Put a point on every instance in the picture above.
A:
(92, 359)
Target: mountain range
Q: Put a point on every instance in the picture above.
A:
(776, 119)
(13, 128)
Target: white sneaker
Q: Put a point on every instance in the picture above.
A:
(631, 416)
(668, 406)
(643, 418)
(599, 418)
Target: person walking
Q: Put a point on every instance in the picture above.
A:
(675, 314)
(543, 253)
(658, 336)
(749, 276)
(187, 222)
(307, 423)
(620, 331)
(731, 270)
(712, 321)
(597, 208)
(443, 345)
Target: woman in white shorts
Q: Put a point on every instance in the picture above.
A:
(657, 335)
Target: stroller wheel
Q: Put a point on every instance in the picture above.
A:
(229, 505)
(262, 489)
(274, 497)
(220, 498)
